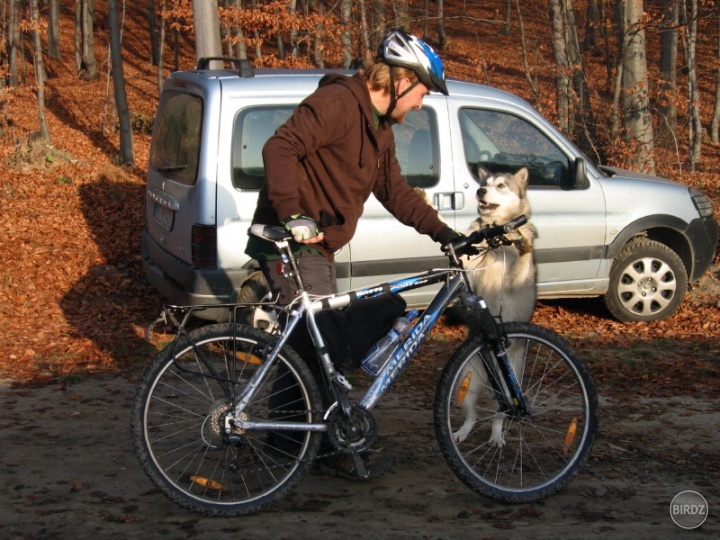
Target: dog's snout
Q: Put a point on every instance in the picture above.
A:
(481, 192)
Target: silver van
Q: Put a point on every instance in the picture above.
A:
(636, 240)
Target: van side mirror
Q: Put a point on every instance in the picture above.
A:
(579, 175)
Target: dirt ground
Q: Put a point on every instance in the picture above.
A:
(69, 472)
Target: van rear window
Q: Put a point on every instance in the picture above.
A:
(175, 147)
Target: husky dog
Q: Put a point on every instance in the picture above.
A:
(504, 277)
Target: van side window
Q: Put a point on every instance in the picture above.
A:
(417, 148)
(175, 147)
(253, 127)
(502, 142)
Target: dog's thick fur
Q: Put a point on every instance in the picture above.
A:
(504, 277)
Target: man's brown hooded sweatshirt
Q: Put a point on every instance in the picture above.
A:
(326, 160)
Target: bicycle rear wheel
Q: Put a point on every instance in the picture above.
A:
(517, 459)
(179, 421)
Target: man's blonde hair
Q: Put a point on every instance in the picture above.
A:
(377, 74)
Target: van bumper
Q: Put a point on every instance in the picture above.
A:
(184, 285)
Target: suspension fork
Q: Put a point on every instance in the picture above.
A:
(502, 377)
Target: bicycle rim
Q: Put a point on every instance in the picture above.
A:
(520, 459)
(179, 422)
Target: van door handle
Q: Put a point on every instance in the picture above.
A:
(449, 201)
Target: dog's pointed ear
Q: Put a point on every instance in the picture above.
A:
(481, 173)
(522, 177)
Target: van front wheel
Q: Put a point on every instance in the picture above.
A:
(648, 282)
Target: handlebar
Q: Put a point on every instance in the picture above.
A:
(461, 245)
(465, 243)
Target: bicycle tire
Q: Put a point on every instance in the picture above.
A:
(179, 415)
(537, 455)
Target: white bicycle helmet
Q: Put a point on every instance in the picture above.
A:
(399, 48)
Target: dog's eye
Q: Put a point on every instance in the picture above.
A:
(501, 186)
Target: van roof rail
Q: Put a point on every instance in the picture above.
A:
(243, 65)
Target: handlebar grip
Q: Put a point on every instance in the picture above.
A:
(515, 223)
(498, 230)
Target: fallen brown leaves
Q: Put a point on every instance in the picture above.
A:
(73, 298)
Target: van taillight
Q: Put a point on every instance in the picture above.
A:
(204, 246)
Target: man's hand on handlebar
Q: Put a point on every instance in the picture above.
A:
(462, 245)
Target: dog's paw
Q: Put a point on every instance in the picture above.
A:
(524, 246)
(497, 438)
(461, 434)
(498, 442)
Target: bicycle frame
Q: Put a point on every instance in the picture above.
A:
(456, 285)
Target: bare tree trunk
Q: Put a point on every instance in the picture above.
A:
(256, 35)
(694, 120)
(345, 37)
(635, 99)
(379, 23)
(442, 39)
(426, 15)
(592, 26)
(154, 33)
(78, 36)
(715, 123)
(161, 50)
(53, 36)
(562, 81)
(667, 109)
(606, 36)
(292, 9)
(528, 76)
(582, 119)
(39, 70)
(364, 30)
(207, 29)
(15, 44)
(240, 44)
(508, 10)
(402, 14)
(127, 153)
(319, 45)
(88, 69)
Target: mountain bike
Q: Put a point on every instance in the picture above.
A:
(228, 418)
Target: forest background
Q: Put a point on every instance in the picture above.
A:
(633, 83)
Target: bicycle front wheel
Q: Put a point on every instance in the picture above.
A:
(180, 421)
(517, 459)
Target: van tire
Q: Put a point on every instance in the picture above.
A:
(648, 282)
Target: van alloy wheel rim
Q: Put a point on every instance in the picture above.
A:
(647, 286)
